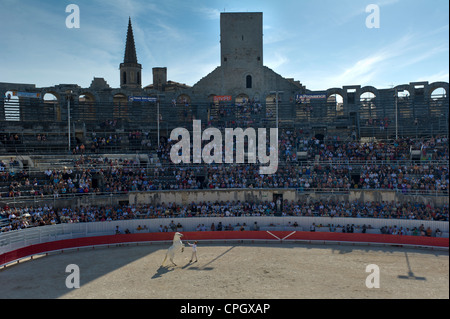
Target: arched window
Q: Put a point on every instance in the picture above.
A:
(248, 81)
(139, 77)
(124, 77)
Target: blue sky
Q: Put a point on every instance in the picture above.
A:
(321, 43)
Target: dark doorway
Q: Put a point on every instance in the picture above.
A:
(278, 200)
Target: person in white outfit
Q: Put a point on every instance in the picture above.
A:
(194, 251)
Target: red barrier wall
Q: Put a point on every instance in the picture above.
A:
(221, 235)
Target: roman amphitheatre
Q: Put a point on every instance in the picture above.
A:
(239, 269)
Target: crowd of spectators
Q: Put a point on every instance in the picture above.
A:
(10, 138)
(335, 150)
(17, 218)
(362, 166)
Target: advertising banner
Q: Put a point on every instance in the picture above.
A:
(142, 99)
(221, 98)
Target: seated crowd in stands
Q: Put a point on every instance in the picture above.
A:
(18, 218)
(375, 165)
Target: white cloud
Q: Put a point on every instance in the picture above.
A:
(276, 60)
(442, 76)
(208, 13)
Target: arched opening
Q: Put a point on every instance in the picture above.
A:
(184, 100)
(336, 102)
(86, 98)
(124, 77)
(86, 106)
(241, 99)
(404, 105)
(438, 93)
(368, 108)
(438, 105)
(51, 100)
(403, 94)
(271, 105)
(367, 100)
(120, 106)
(248, 81)
(12, 106)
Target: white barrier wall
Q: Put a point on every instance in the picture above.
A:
(25, 237)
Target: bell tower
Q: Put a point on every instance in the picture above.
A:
(241, 39)
(130, 69)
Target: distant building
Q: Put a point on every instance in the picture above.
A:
(240, 77)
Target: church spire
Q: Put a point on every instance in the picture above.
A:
(130, 49)
(130, 69)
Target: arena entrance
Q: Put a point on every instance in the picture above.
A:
(278, 200)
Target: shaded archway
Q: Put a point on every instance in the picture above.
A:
(439, 105)
(271, 106)
(184, 100)
(120, 103)
(86, 106)
(241, 98)
(335, 102)
(51, 100)
(405, 110)
(367, 110)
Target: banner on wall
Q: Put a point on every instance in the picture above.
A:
(142, 99)
(303, 97)
(27, 94)
(221, 98)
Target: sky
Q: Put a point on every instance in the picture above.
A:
(321, 43)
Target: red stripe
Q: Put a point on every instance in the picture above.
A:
(222, 235)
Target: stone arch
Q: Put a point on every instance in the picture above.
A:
(120, 105)
(368, 97)
(271, 98)
(403, 90)
(86, 97)
(368, 105)
(438, 90)
(404, 101)
(332, 91)
(51, 95)
(438, 101)
(335, 97)
(241, 98)
(52, 99)
(86, 105)
(271, 104)
(368, 90)
(184, 99)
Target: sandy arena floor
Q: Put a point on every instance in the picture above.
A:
(287, 271)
